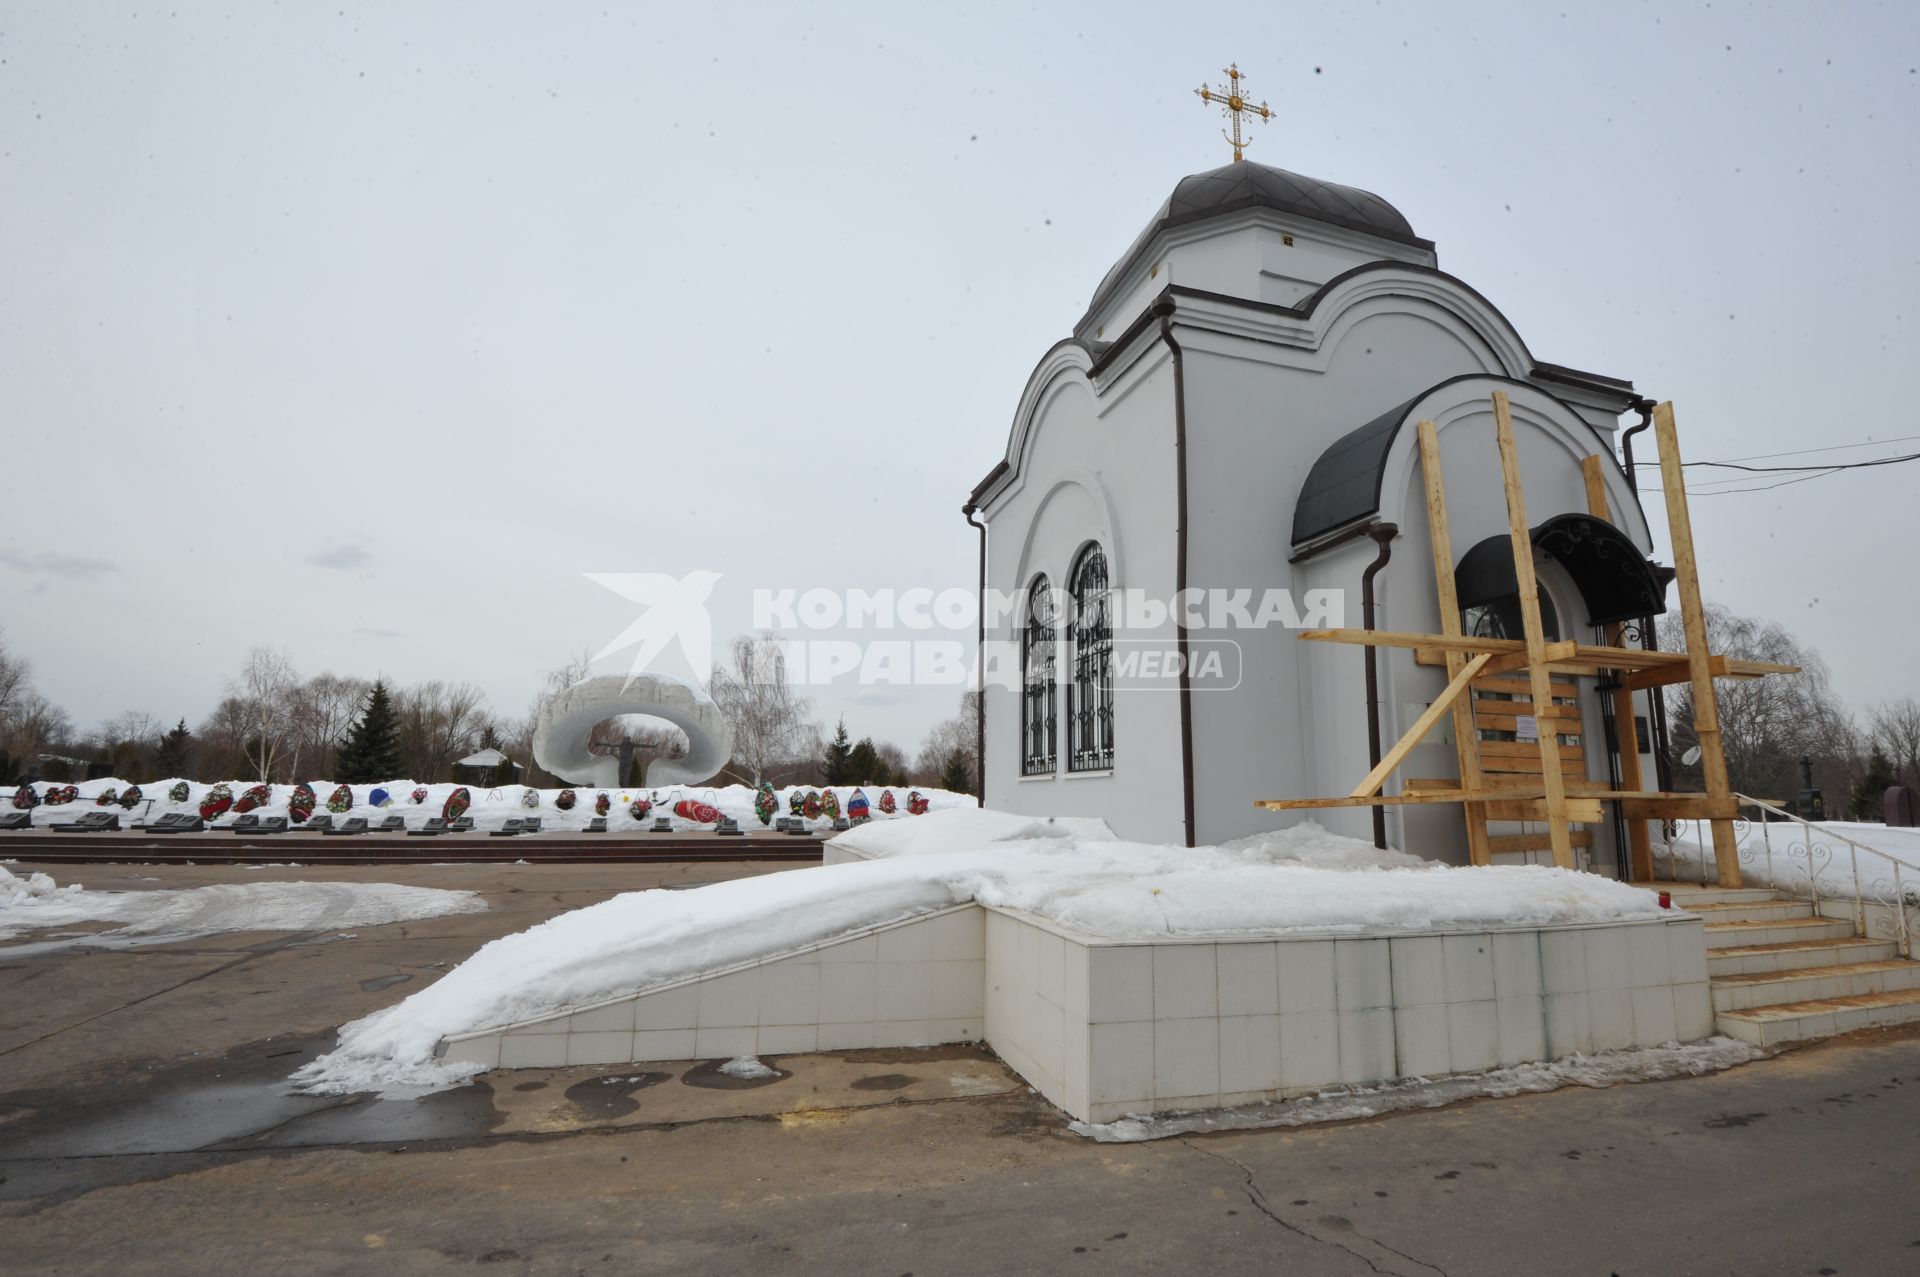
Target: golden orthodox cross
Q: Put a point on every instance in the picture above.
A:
(1233, 102)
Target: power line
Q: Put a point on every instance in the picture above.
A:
(1838, 447)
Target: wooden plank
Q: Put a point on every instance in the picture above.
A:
(1597, 655)
(1581, 811)
(1626, 737)
(1454, 691)
(1505, 716)
(1522, 542)
(1524, 687)
(1520, 751)
(1640, 680)
(1509, 661)
(1440, 539)
(1706, 716)
(1682, 807)
(1536, 842)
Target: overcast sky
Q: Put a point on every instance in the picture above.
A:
(364, 330)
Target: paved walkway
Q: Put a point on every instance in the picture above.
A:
(142, 1130)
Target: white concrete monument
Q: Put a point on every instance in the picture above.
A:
(560, 739)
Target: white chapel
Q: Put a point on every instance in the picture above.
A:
(1236, 411)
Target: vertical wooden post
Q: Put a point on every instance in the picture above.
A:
(1626, 739)
(1541, 683)
(1706, 714)
(1466, 736)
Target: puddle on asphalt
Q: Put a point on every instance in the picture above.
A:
(384, 982)
(611, 1096)
(238, 1101)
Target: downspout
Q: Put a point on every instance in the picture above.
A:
(1657, 700)
(1165, 311)
(980, 664)
(1383, 535)
(1645, 408)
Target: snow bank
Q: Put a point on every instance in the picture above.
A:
(1786, 866)
(16, 891)
(1075, 872)
(491, 807)
(155, 917)
(1345, 1104)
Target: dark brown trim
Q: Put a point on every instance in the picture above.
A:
(993, 476)
(980, 663)
(1335, 535)
(1383, 534)
(1180, 562)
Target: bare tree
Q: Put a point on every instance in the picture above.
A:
(438, 724)
(960, 734)
(15, 682)
(322, 709)
(893, 761)
(1767, 725)
(225, 738)
(772, 725)
(36, 726)
(1896, 730)
(265, 689)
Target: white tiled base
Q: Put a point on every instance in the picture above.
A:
(1105, 1028)
(1206, 1023)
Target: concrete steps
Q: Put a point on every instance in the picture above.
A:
(1820, 1018)
(1798, 955)
(1780, 975)
(1750, 910)
(1810, 984)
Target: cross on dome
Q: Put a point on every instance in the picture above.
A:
(1234, 104)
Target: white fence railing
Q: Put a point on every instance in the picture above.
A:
(1838, 875)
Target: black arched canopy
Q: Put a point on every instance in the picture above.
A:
(1616, 581)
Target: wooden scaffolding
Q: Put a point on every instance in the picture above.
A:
(1526, 687)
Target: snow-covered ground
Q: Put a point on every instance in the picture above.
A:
(36, 904)
(1072, 871)
(1345, 1104)
(1780, 853)
(491, 807)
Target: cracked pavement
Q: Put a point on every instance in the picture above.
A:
(143, 1130)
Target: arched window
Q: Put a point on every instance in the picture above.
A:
(1090, 702)
(1040, 679)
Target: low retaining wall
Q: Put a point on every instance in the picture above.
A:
(1106, 1028)
(914, 983)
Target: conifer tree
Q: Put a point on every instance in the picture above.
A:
(956, 776)
(371, 751)
(839, 749)
(863, 764)
(174, 754)
(1869, 796)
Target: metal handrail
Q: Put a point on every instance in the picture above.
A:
(1897, 902)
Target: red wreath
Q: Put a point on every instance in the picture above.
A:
(698, 812)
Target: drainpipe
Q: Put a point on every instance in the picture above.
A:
(1383, 535)
(980, 664)
(1165, 310)
(1645, 408)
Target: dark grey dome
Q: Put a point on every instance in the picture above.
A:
(1242, 185)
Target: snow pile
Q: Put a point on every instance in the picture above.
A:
(15, 890)
(157, 917)
(1345, 1104)
(491, 808)
(1075, 872)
